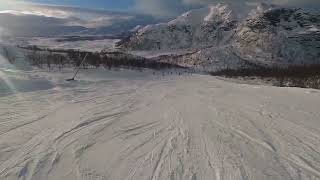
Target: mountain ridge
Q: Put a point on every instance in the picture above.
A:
(267, 36)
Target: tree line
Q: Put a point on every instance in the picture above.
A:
(51, 58)
(303, 76)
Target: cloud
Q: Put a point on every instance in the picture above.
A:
(175, 7)
(299, 3)
(160, 7)
(73, 16)
(42, 20)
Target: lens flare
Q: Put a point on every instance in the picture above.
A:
(7, 82)
(6, 66)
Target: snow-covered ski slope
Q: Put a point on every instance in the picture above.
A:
(159, 128)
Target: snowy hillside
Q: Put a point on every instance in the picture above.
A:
(268, 35)
(207, 59)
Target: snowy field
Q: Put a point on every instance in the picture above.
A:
(128, 125)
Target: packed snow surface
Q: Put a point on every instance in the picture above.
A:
(140, 126)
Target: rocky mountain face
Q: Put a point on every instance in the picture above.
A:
(194, 29)
(280, 36)
(267, 36)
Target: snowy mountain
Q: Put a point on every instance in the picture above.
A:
(194, 29)
(280, 36)
(221, 38)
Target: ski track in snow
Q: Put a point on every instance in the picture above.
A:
(177, 128)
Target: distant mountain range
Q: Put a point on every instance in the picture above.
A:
(219, 37)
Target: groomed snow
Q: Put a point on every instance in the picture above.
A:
(147, 127)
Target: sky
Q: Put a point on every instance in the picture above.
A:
(60, 17)
(154, 7)
(117, 5)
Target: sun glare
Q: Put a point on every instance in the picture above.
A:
(4, 65)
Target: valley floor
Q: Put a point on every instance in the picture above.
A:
(176, 127)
